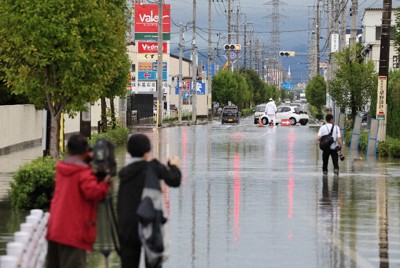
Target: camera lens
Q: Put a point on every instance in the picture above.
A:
(341, 157)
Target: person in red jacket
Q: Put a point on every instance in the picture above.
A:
(71, 229)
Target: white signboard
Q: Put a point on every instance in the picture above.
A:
(148, 86)
(334, 42)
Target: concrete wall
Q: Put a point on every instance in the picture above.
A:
(21, 125)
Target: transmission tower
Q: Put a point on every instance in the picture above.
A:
(273, 62)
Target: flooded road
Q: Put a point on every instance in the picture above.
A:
(255, 197)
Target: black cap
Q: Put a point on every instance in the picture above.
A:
(138, 145)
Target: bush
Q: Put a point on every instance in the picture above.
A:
(33, 184)
(118, 136)
(390, 147)
(246, 112)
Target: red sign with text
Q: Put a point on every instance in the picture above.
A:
(146, 18)
(151, 47)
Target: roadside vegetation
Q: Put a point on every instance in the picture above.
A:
(33, 184)
(243, 88)
(353, 87)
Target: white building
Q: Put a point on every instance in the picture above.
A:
(371, 36)
(141, 62)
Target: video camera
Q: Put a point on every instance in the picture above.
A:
(103, 162)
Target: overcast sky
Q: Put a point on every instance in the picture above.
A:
(294, 23)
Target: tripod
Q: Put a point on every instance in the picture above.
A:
(108, 235)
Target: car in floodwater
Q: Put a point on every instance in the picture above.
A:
(291, 113)
(230, 114)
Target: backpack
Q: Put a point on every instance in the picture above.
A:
(152, 223)
(326, 141)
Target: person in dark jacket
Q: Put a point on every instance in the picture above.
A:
(132, 179)
(71, 229)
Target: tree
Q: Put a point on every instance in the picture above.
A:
(224, 87)
(61, 54)
(393, 108)
(316, 92)
(355, 80)
(242, 96)
(116, 87)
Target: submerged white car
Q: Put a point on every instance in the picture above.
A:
(286, 112)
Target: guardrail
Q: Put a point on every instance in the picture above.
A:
(29, 247)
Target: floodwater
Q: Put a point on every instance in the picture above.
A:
(255, 197)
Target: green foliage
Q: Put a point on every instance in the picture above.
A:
(393, 107)
(316, 92)
(390, 147)
(8, 98)
(117, 136)
(247, 112)
(61, 53)
(355, 80)
(33, 184)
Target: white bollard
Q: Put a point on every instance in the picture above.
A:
(8, 261)
(15, 249)
(22, 237)
(34, 219)
(27, 227)
(37, 212)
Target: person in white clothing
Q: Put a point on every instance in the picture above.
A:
(336, 146)
(270, 111)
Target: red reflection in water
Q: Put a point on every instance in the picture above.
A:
(237, 136)
(236, 197)
(291, 140)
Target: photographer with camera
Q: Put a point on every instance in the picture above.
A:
(71, 229)
(134, 181)
(335, 147)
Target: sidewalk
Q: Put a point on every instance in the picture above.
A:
(9, 164)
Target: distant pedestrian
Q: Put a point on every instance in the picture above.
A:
(270, 110)
(71, 229)
(132, 182)
(336, 146)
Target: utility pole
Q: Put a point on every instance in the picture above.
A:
(180, 82)
(194, 67)
(354, 15)
(343, 25)
(251, 49)
(317, 37)
(209, 80)
(237, 37)
(245, 45)
(160, 65)
(381, 106)
(229, 32)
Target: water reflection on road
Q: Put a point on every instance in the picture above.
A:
(255, 197)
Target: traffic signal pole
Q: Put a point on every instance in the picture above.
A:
(194, 68)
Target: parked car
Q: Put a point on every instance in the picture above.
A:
(230, 114)
(259, 111)
(288, 112)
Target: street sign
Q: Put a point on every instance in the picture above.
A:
(187, 87)
(381, 100)
(151, 47)
(151, 75)
(148, 86)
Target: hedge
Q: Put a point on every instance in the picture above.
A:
(33, 183)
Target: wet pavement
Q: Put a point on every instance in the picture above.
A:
(255, 197)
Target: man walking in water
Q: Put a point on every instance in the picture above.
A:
(270, 110)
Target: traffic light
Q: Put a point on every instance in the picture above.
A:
(232, 47)
(287, 53)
